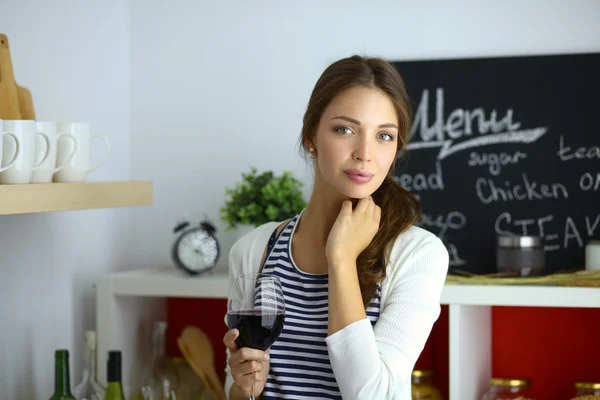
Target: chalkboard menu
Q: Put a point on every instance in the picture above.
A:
(506, 146)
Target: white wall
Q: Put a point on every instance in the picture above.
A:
(74, 57)
(219, 86)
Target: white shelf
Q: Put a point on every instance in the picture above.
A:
(170, 282)
(470, 316)
(521, 295)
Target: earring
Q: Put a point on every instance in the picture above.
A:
(312, 149)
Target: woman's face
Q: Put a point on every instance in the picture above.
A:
(356, 142)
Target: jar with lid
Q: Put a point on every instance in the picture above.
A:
(505, 389)
(520, 255)
(592, 253)
(586, 391)
(422, 387)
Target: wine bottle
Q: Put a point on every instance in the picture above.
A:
(89, 388)
(62, 384)
(114, 388)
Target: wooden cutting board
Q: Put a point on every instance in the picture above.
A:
(15, 102)
(25, 103)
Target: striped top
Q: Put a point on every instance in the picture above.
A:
(371, 361)
(300, 365)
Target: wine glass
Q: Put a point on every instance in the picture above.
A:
(256, 308)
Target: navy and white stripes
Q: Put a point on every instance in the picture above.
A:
(300, 367)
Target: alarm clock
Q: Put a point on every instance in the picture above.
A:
(196, 248)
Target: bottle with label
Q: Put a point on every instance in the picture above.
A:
(90, 388)
(114, 388)
(62, 384)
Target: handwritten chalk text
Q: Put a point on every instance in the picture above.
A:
(489, 191)
(582, 153)
(495, 162)
(542, 226)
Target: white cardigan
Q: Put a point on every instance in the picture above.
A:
(375, 363)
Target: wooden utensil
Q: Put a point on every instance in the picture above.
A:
(25, 103)
(197, 349)
(9, 97)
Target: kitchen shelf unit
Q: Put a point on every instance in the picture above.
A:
(59, 196)
(470, 313)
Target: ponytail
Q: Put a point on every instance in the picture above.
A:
(400, 209)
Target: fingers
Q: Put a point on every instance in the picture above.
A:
(246, 382)
(229, 340)
(377, 214)
(370, 206)
(248, 367)
(246, 355)
(346, 208)
(373, 210)
(362, 205)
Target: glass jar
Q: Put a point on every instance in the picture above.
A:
(592, 254)
(422, 386)
(520, 255)
(587, 391)
(505, 389)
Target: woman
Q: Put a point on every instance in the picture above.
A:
(362, 284)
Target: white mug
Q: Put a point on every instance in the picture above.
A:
(6, 165)
(77, 167)
(43, 174)
(26, 133)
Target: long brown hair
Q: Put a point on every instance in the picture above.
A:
(399, 208)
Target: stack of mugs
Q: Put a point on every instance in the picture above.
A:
(44, 152)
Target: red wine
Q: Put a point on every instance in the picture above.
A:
(258, 330)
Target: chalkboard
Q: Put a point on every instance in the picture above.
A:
(507, 145)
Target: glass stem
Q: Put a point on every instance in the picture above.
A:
(252, 393)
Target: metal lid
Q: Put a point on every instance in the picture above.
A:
(422, 373)
(509, 382)
(594, 239)
(587, 385)
(519, 241)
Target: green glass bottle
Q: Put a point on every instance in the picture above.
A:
(62, 384)
(114, 388)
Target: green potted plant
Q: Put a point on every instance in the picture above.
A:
(261, 197)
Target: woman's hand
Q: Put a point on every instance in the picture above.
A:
(353, 230)
(248, 366)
